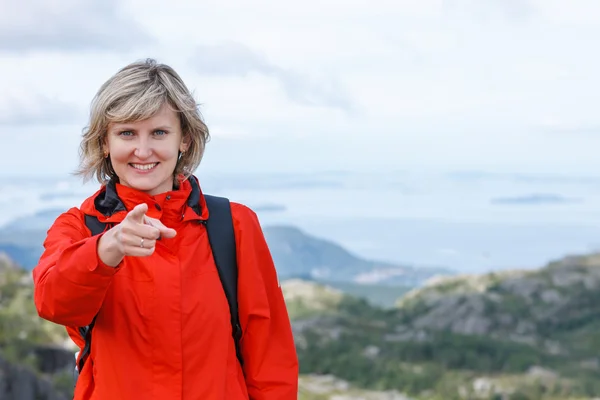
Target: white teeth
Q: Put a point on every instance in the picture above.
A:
(144, 167)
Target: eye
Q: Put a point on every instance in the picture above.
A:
(160, 132)
(125, 133)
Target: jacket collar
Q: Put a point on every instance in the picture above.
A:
(113, 208)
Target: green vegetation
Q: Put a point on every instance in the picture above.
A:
(443, 362)
(306, 299)
(22, 331)
(520, 335)
(20, 326)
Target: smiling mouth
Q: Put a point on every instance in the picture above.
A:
(144, 167)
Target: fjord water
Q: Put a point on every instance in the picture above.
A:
(470, 221)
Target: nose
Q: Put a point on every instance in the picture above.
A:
(143, 149)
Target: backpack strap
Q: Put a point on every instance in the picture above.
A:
(221, 236)
(96, 227)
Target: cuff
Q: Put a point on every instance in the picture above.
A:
(80, 263)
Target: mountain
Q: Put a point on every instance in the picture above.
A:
(22, 238)
(296, 255)
(511, 335)
(39, 221)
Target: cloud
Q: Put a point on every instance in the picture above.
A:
(71, 25)
(459, 84)
(535, 199)
(577, 130)
(235, 59)
(508, 10)
(38, 110)
(552, 126)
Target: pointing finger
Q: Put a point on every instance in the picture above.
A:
(137, 214)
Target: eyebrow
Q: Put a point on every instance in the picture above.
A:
(125, 127)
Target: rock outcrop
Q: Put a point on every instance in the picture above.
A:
(22, 383)
(524, 306)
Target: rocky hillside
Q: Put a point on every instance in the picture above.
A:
(36, 362)
(530, 307)
(515, 335)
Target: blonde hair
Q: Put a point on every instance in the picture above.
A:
(134, 93)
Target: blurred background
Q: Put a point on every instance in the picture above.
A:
(425, 171)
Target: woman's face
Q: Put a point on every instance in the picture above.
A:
(144, 153)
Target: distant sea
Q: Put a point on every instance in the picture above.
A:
(467, 220)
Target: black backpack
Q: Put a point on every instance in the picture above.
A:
(221, 236)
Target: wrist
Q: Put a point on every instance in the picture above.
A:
(107, 251)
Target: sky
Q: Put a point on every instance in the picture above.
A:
(495, 85)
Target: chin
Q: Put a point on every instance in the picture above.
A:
(149, 184)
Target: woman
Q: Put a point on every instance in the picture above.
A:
(162, 325)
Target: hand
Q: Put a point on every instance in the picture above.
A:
(135, 236)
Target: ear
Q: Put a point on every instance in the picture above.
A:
(185, 143)
(104, 145)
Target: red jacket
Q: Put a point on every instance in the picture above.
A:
(163, 329)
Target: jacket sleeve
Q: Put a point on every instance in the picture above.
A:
(267, 345)
(70, 281)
